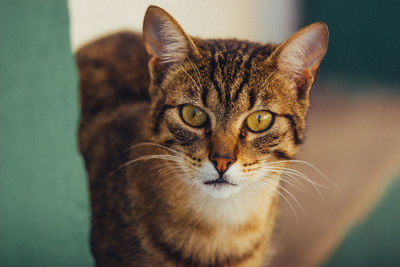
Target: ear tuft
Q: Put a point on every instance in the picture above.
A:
(300, 56)
(164, 38)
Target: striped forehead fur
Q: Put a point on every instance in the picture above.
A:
(229, 64)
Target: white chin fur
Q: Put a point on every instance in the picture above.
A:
(208, 173)
(221, 190)
(232, 204)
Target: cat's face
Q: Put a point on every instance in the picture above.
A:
(233, 110)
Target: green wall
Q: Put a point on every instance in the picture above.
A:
(44, 211)
(364, 48)
(364, 38)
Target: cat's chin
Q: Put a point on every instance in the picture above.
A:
(221, 190)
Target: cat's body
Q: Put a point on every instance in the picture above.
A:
(198, 200)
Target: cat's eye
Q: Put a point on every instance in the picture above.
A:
(259, 121)
(194, 116)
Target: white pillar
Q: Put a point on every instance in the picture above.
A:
(257, 20)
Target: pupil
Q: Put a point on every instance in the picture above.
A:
(194, 112)
(258, 118)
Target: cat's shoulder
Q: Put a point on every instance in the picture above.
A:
(114, 82)
(113, 71)
(122, 43)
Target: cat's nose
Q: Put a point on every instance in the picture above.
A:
(222, 162)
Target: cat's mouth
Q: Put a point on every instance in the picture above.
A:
(219, 181)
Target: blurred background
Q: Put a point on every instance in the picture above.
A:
(353, 127)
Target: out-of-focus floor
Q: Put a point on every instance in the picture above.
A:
(354, 140)
(375, 240)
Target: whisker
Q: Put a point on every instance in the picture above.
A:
(295, 173)
(196, 69)
(159, 146)
(280, 194)
(287, 181)
(176, 172)
(282, 178)
(286, 191)
(148, 157)
(198, 87)
(181, 183)
(293, 178)
(291, 173)
(305, 163)
(172, 172)
(264, 85)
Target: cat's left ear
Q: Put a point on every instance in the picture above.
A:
(300, 56)
(165, 41)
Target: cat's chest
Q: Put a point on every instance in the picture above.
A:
(227, 229)
(236, 211)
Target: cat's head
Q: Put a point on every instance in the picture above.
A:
(232, 109)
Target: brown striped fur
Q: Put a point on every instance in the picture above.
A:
(160, 212)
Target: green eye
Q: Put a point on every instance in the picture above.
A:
(193, 116)
(259, 121)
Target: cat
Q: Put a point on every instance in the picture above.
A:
(184, 141)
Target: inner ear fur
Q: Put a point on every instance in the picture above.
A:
(300, 56)
(165, 41)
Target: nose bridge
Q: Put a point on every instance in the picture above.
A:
(223, 151)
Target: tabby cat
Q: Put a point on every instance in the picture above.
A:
(184, 155)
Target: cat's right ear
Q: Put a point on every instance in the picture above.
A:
(165, 41)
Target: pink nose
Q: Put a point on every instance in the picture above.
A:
(222, 163)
